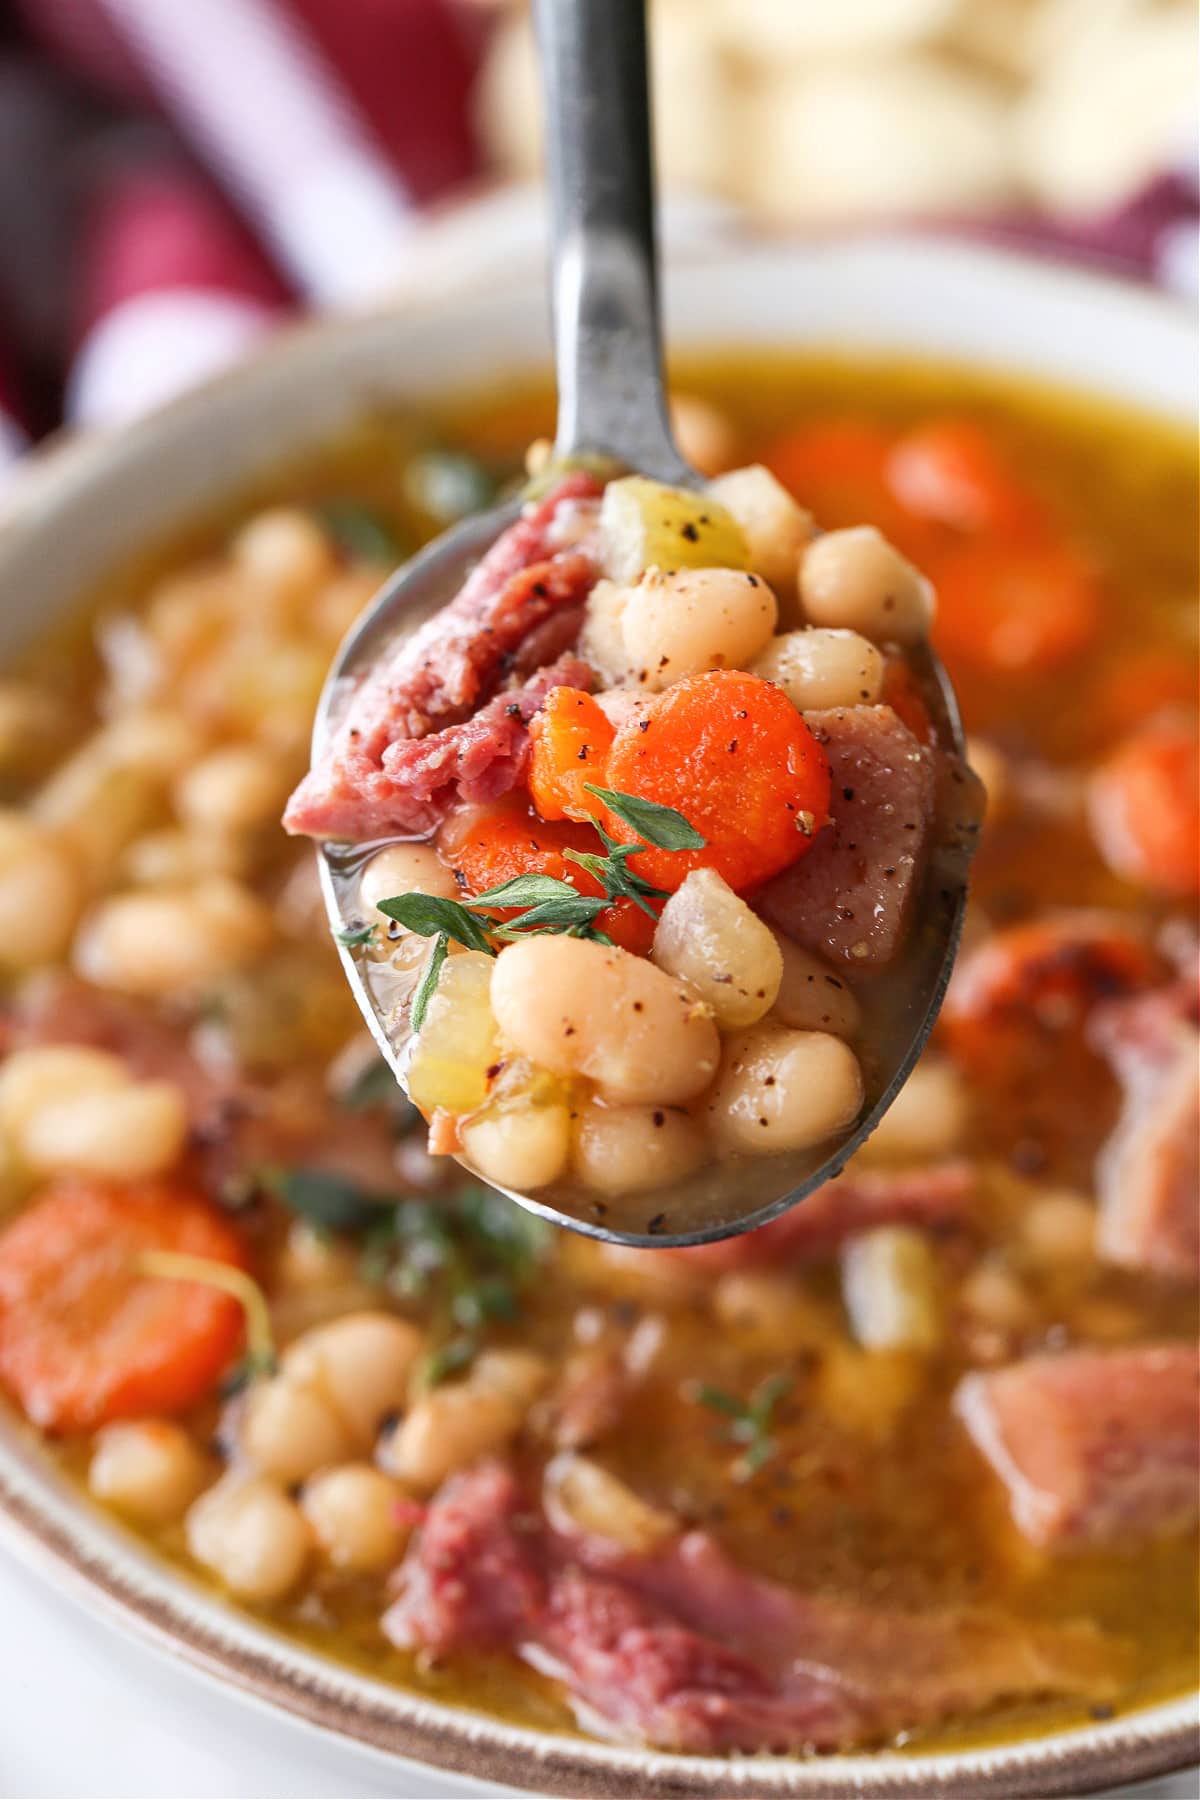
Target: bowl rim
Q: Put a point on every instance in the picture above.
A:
(49, 1522)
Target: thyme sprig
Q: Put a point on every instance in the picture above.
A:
(544, 903)
(750, 1421)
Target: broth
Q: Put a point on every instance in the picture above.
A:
(870, 1487)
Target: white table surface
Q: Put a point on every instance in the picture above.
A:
(87, 1713)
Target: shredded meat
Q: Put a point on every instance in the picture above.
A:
(682, 1649)
(1148, 1173)
(522, 601)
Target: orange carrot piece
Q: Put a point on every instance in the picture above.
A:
(1144, 808)
(84, 1337)
(1033, 985)
(1015, 609)
(570, 740)
(731, 753)
(948, 472)
(837, 468)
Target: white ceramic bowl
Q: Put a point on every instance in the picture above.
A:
(92, 505)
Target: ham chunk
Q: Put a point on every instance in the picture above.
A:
(938, 1198)
(524, 599)
(1148, 1173)
(851, 897)
(1095, 1447)
(681, 1649)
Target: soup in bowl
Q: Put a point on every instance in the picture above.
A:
(913, 1467)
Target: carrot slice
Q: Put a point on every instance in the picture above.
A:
(838, 469)
(1027, 990)
(731, 753)
(1144, 808)
(570, 740)
(488, 845)
(85, 1338)
(1014, 609)
(949, 473)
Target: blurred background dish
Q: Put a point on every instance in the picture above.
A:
(175, 181)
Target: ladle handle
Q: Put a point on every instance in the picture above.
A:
(607, 348)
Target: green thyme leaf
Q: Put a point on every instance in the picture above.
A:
(527, 890)
(554, 915)
(427, 986)
(326, 1199)
(351, 936)
(431, 916)
(450, 1358)
(362, 531)
(659, 825)
(718, 1400)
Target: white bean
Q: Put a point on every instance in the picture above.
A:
(577, 1007)
(704, 434)
(708, 937)
(855, 579)
(582, 1496)
(312, 1262)
(775, 528)
(46, 1073)
(774, 1311)
(1059, 1231)
(285, 554)
(361, 1363)
(161, 945)
(925, 1120)
(176, 858)
(784, 1090)
(148, 1469)
(40, 894)
(521, 1374)
(823, 668)
(812, 997)
(891, 1289)
(519, 1146)
(354, 1514)
(121, 1134)
(251, 1536)
(627, 1149)
(288, 1429)
(447, 1429)
(404, 869)
(602, 641)
(240, 788)
(681, 622)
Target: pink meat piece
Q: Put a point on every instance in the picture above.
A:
(937, 1197)
(903, 1669)
(1148, 1173)
(473, 1576)
(682, 1649)
(420, 779)
(456, 661)
(851, 897)
(629, 1664)
(1094, 1446)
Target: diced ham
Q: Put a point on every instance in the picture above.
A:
(473, 1578)
(506, 611)
(937, 1197)
(632, 1667)
(422, 778)
(1148, 1173)
(851, 897)
(1095, 1447)
(682, 1649)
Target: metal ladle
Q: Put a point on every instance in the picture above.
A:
(611, 402)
